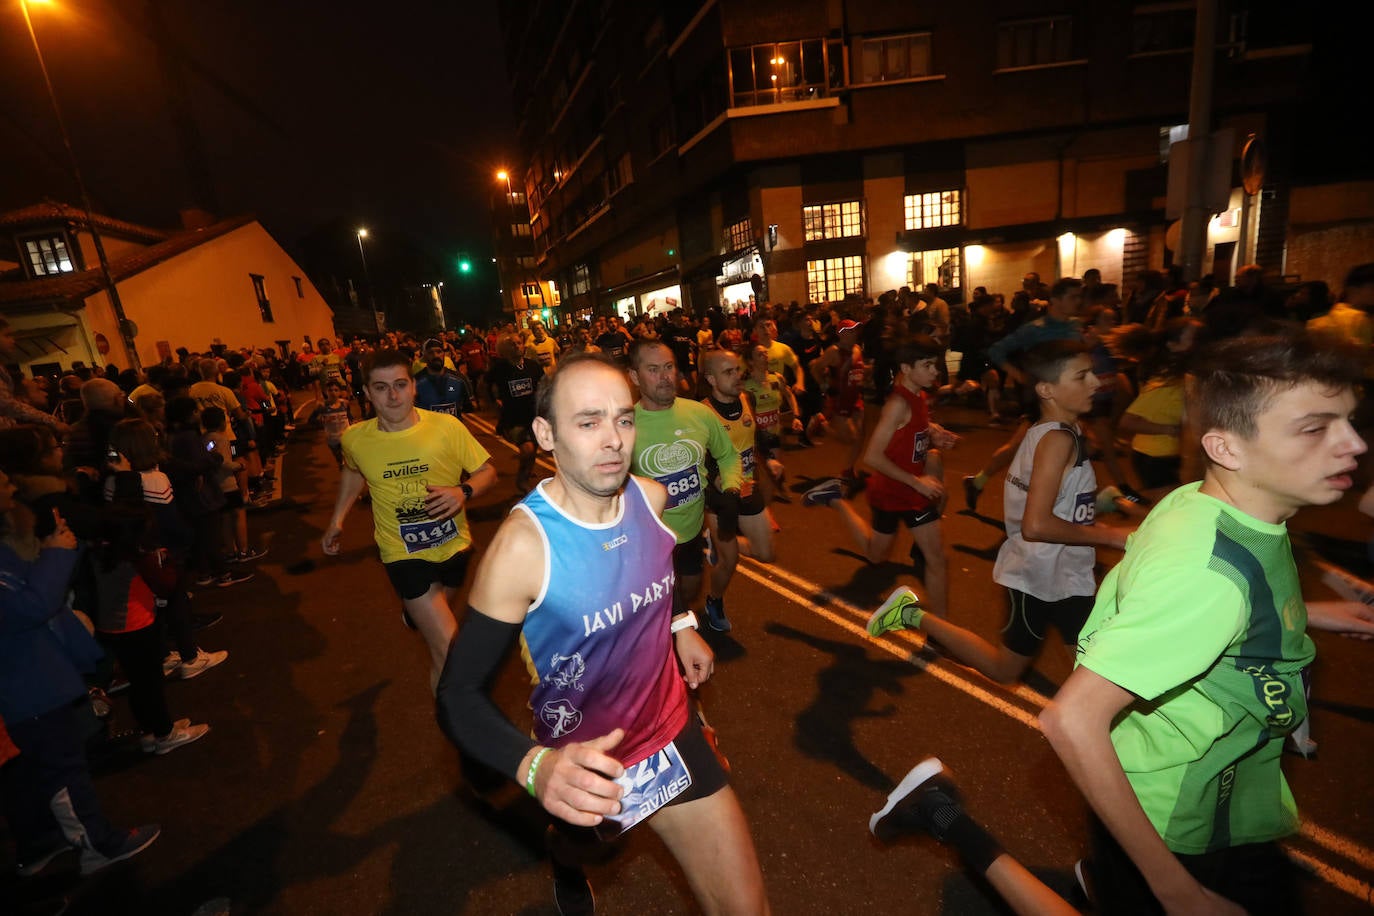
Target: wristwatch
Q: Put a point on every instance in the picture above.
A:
(467, 491)
(687, 621)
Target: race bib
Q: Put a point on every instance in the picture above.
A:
(683, 486)
(767, 419)
(1084, 508)
(746, 459)
(521, 387)
(419, 536)
(920, 447)
(649, 785)
(449, 408)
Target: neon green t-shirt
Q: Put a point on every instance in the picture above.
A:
(1204, 621)
(671, 446)
(399, 466)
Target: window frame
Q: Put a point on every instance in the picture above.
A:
(1028, 25)
(927, 276)
(861, 78)
(53, 240)
(264, 303)
(823, 222)
(803, 89)
(739, 235)
(819, 272)
(916, 211)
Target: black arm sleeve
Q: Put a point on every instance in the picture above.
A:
(464, 708)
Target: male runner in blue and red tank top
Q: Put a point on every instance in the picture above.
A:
(582, 571)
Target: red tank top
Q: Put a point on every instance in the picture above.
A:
(907, 450)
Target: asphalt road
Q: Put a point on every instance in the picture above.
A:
(325, 786)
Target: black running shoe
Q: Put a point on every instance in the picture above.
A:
(925, 799)
(572, 892)
(971, 493)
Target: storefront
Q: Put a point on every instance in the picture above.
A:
(660, 301)
(736, 282)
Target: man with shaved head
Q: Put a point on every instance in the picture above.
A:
(728, 517)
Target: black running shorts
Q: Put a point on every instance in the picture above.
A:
(1030, 619)
(412, 578)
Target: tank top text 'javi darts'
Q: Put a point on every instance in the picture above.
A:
(598, 634)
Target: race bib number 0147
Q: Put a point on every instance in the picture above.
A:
(418, 536)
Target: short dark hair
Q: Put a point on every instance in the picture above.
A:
(383, 359)
(136, 440)
(1233, 380)
(548, 385)
(1062, 286)
(1045, 362)
(917, 347)
(643, 343)
(181, 409)
(213, 419)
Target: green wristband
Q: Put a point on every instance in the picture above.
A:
(534, 768)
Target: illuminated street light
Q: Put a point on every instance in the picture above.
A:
(503, 175)
(126, 327)
(367, 278)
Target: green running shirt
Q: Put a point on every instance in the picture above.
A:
(671, 446)
(1204, 621)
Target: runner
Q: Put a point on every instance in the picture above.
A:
(614, 743)
(839, 371)
(414, 463)
(744, 515)
(512, 380)
(672, 443)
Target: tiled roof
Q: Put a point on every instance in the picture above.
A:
(51, 211)
(74, 287)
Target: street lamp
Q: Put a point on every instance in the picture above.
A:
(125, 325)
(367, 279)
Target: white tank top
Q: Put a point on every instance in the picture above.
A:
(1050, 572)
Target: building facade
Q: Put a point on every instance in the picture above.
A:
(227, 282)
(720, 152)
(525, 295)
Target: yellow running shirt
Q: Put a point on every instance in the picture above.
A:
(398, 467)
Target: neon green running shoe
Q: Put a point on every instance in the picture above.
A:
(901, 611)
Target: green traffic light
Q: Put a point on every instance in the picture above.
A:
(465, 267)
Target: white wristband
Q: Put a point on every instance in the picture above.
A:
(685, 622)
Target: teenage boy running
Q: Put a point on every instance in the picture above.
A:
(1046, 563)
(906, 486)
(1189, 668)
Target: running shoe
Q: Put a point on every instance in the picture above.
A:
(232, 578)
(1130, 494)
(29, 865)
(572, 892)
(147, 742)
(925, 799)
(247, 556)
(129, 844)
(202, 663)
(715, 615)
(971, 492)
(171, 663)
(824, 493)
(178, 736)
(901, 611)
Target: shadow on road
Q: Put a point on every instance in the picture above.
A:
(844, 690)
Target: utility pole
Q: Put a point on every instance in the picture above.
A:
(1193, 231)
(126, 326)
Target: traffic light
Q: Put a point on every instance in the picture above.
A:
(465, 266)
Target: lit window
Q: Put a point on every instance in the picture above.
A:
(831, 279)
(520, 229)
(844, 220)
(739, 236)
(940, 266)
(581, 280)
(260, 290)
(530, 290)
(48, 256)
(1034, 42)
(894, 57)
(932, 209)
(769, 74)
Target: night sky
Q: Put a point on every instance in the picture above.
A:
(312, 114)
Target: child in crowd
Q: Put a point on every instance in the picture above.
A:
(233, 484)
(335, 414)
(1049, 498)
(906, 486)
